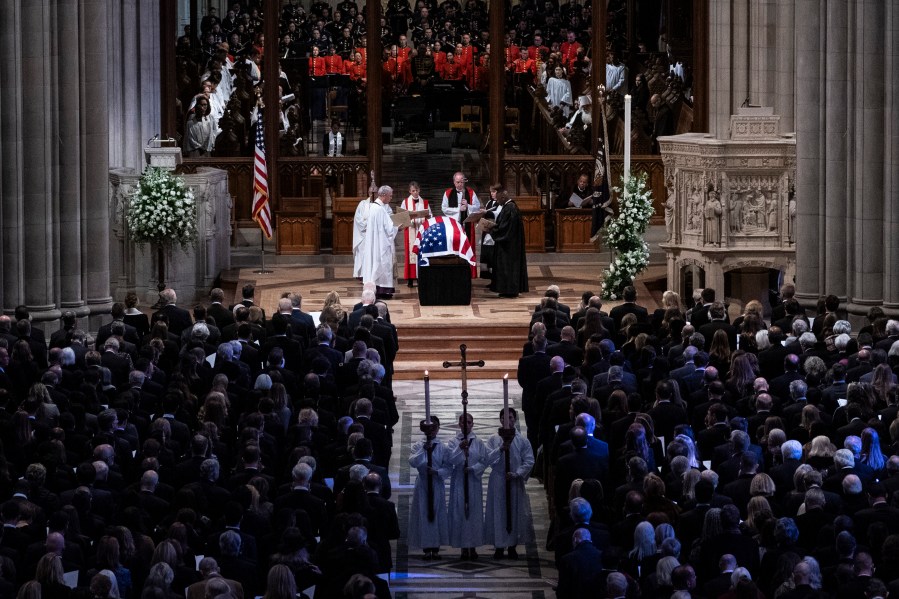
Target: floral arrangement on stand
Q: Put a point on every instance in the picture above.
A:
(162, 210)
(624, 235)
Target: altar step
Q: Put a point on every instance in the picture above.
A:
(426, 347)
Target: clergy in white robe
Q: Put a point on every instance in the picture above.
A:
(360, 224)
(467, 532)
(521, 458)
(378, 252)
(423, 533)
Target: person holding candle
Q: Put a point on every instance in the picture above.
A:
(425, 532)
(521, 461)
(467, 531)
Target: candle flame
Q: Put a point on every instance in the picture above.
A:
(506, 376)
(426, 373)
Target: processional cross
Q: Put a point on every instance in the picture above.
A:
(464, 364)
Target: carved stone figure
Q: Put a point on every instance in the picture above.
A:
(791, 214)
(669, 208)
(771, 210)
(736, 211)
(713, 212)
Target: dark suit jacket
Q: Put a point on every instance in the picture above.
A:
(588, 462)
(105, 331)
(709, 329)
(334, 357)
(531, 370)
(222, 315)
(618, 312)
(579, 572)
(312, 505)
(179, 318)
(570, 352)
(383, 527)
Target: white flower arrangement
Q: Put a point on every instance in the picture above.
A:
(624, 234)
(162, 210)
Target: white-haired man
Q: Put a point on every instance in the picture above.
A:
(377, 251)
(458, 202)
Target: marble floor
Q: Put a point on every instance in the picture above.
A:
(532, 575)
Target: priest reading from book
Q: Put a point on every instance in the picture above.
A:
(580, 196)
(377, 251)
(413, 203)
(459, 202)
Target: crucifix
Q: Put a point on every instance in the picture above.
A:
(464, 364)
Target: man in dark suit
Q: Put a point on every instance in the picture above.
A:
(628, 307)
(118, 315)
(240, 569)
(322, 349)
(376, 432)
(247, 292)
(302, 322)
(782, 474)
(666, 414)
(293, 352)
(771, 360)
(699, 315)
(178, 318)
(383, 524)
(717, 430)
(300, 497)
(582, 462)
(732, 540)
(363, 452)
(144, 498)
(717, 322)
(780, 386)
(579, 571)
(567, 348)
(368, 298)
(222, 315)
(118, 365)
(880, 510)
(531, 370)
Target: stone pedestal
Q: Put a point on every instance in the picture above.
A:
(730, 204)
(190, 273)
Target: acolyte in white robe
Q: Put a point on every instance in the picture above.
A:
(558, 93)
(423, 533)
(521, 461)
(378, 251)
(467, 532)
(360, 223)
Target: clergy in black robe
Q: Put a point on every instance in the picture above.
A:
(510, 275)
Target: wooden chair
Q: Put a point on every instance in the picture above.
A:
(472, 120)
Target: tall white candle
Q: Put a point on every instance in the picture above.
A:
(506, 401)
(427, 398)
(627, 138)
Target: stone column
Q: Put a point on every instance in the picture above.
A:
(720, 54)
(809, 209)
(867, 266)
(785, 75)
(11, 151)
(70, 154)
(132, 67)
(833, 149)
(39, 132)
(95, 154)
(891, 158)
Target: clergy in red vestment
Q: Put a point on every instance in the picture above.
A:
(413, 203)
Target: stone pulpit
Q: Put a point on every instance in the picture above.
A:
(730, 204)
(190, 273)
